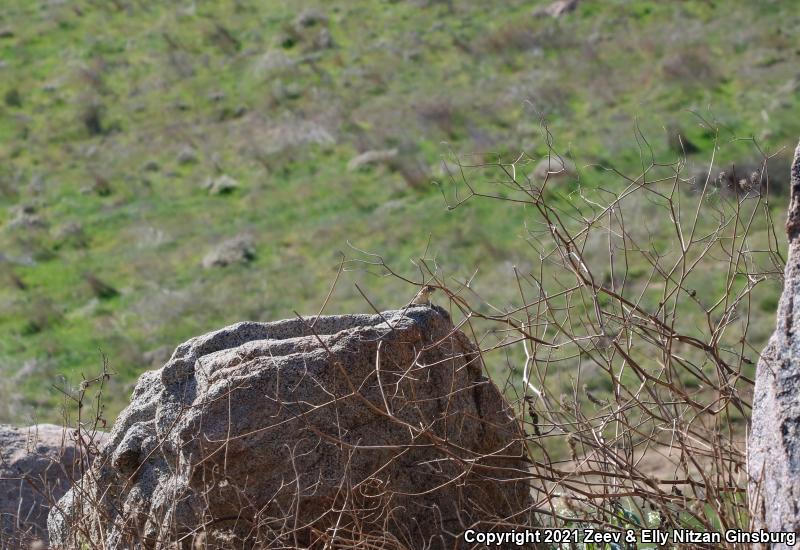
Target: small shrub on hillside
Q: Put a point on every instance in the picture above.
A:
(12, 98)
(42, 315)
(99, 288)
(70, 235)
(101, 185)
(92, 118)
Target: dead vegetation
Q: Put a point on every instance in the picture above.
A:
(632, 393)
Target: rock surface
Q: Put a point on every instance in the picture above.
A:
(557, 8)
(264, 434)
(552, 168)
(37, 465)
(774, 447)
(239, 249)
(187, 155)
(273, 61)
(380, 156)
(221, 185)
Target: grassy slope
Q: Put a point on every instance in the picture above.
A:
(418, 75)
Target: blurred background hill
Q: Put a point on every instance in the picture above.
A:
(167, 168)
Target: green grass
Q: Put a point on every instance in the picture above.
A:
(413, 75)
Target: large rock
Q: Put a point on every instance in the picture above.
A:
(221, 185)
(553, 168)
(239, 249)
(379, 427)
(367, 158)
(774, 447)
(37, 466)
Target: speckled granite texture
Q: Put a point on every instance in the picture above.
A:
(37, 465)
(774, 446)
(273, 432)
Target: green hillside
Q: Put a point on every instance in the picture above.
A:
(138, 136)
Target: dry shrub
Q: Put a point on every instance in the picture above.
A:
(755, 175)
(52, 464)
(629, 352)
(629, 346)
